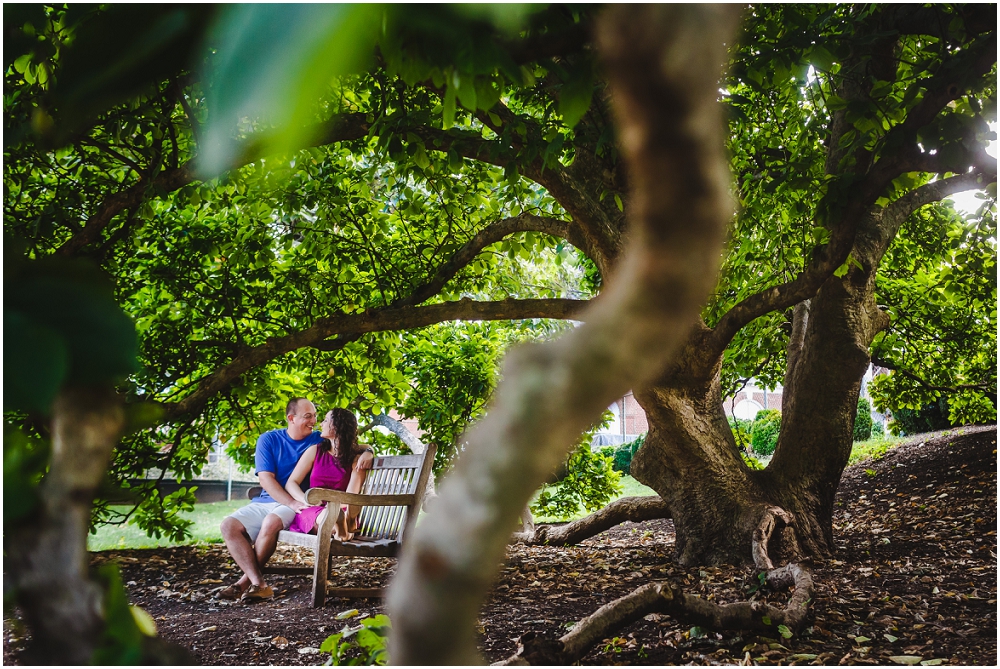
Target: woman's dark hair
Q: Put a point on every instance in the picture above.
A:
(345, 425)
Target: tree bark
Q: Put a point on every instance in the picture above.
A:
(47, 560)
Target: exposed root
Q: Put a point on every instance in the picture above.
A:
(671, 600)
(527, 532)
(635, 509)
(762, 536)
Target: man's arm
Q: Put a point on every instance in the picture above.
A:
(269, 482)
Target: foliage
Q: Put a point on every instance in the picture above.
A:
(590, 481)
(452, 371)
(877, 429)
(764, 433)
(863, 420)
(366, 644)
(25, 462)
(939, 282)
(741, 428)
(931, 417)
(624, 453)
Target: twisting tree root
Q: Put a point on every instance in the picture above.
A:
(635, 509)
(772, 516)
(689, 609)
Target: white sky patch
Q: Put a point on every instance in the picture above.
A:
(967, 202)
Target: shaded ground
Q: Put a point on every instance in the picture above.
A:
(914, 575)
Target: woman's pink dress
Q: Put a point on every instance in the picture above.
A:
(326, 473)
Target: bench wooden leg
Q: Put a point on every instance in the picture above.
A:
(321, 567)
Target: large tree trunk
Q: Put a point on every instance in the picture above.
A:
(47, 559)
(691, 459)
(690, 456)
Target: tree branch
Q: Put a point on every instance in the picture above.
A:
(398, 429)
(935, 191)
(887, 364)
(493, 233)
(663, 62)
(354, 325)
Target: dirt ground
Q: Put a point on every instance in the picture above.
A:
(915, 574)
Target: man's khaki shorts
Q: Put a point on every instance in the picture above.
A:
(253, 514)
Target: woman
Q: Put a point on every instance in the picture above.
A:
(333, 464)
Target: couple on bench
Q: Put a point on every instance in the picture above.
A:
(330, 457)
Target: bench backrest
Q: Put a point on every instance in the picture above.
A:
(390, 475)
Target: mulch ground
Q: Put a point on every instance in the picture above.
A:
(914, 578)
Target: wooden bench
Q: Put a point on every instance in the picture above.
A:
(391, 496)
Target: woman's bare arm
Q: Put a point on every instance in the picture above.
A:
(302, 469)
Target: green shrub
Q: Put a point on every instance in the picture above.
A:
(877, 430)
(863, 420)
(764, 434)
(741, 428)
(625, 452)
(929, 418)
(590, 481)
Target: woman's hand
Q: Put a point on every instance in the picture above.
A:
(364, 461)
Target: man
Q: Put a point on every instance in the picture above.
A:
(251, 533)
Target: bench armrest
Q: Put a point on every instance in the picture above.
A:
(316, 495)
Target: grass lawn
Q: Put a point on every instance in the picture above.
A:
(206, 517)
(874, 448)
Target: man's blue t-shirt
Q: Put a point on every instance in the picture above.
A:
(278, 453)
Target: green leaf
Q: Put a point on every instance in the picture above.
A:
(766, 620)
(465, 86)
(273, 63)
(906, 659)
(618, 202)
(784, 631)
(448, 114)
(329, 645)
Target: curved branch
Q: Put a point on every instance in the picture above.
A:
(398, 429)
(400, 318)
(936, 191)
(984, 388)
(493, 233)
(635, 509)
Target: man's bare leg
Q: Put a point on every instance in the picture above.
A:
(238, 542)
(267, 540)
